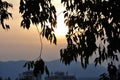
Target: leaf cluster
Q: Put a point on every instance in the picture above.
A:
(113, 73)
(49, 35)
(69, 54)
(94, 27)
(38, 67)
(4, 14)
(39, 12)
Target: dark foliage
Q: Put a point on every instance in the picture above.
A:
(43, 13)
(38, 67)
(1, 78)
(94, 27)
(113, 73)
(39, 12)
(4, 14)
(104, 76)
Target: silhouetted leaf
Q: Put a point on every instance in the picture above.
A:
(55, 40)
(66, 15)
(25, 64)
(46, 70)
(7, 26)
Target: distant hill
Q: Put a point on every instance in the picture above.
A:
(13, 68)
(75, 68)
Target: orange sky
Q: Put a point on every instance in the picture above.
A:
(22, 44)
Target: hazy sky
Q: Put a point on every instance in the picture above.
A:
(22, 44)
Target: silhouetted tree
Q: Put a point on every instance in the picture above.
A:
(93, 27)
(4, 14)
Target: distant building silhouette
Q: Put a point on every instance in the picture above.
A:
(60, 76)
(28, 75)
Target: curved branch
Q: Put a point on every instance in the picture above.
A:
(41, 44)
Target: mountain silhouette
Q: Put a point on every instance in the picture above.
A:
(13, 68)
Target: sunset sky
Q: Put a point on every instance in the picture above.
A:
(22, 44)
